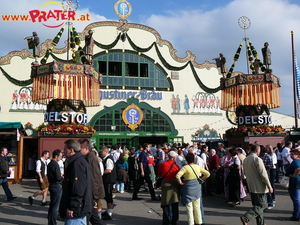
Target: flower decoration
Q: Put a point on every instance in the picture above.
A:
(259, 129)
(65, 129)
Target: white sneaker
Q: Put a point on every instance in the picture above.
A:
(121, 192)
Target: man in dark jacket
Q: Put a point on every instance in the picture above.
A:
(77, 201)
(55, 186)
(97, 183)
(4, 171)
(144, 175)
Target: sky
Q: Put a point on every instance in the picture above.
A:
(204, 27)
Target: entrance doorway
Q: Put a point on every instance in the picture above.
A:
(152, 140)
(30, 155)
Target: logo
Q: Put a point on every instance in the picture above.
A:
(44, 16)
(132, 116)
(123, 9)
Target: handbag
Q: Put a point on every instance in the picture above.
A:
(159, 180)
(285, 181)
(200, 181)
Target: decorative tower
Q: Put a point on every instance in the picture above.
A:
(251, 96)
(67, 86)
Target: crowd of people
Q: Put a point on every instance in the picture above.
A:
(79, 178)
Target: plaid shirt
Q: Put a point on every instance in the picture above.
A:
(268, 161)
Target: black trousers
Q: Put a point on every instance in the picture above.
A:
(170, 209)
(139, 183)
(94, 218)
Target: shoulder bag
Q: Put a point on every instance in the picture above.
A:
(198, 178)
(159, 180)
(285, 181)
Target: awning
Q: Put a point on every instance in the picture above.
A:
(10, 125)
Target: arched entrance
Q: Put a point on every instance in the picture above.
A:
(155, 127)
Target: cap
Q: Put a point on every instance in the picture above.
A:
(172, 154)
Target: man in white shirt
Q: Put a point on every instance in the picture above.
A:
(287, 160)
(41, 169)
(115, 153)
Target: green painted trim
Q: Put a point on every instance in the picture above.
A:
(141, 105)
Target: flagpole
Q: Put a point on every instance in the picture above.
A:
(294, 82)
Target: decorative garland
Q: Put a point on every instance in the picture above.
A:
(115, 42)
(235, 59)
(65, 129)
(72, 41)
(59, 104)
(54, 43)
(202, 86)
(251, 52)
(170, 67)
(255, 54)
(167, 65)
(76, 37)
(21, 83)
(256, 130)
(137, 48)
(250, 58)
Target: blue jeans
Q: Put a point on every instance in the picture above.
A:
(55, 196)
(76, 221)
(269, 199)
(120, 185)
(5, 187)
(295, 196)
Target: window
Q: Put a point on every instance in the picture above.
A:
(130, 70)
(115, 69)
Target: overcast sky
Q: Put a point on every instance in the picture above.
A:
(204, 27)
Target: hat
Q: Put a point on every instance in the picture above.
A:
(172, 154)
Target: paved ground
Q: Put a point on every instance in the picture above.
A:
(143, 212)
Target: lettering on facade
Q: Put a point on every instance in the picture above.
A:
(65, 117)
(247, 120)
(143, 95)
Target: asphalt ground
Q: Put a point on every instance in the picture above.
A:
(142, 212)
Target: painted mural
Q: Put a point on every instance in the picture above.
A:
(200, 103)
(21, 101)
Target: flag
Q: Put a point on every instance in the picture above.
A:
(297, 72)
